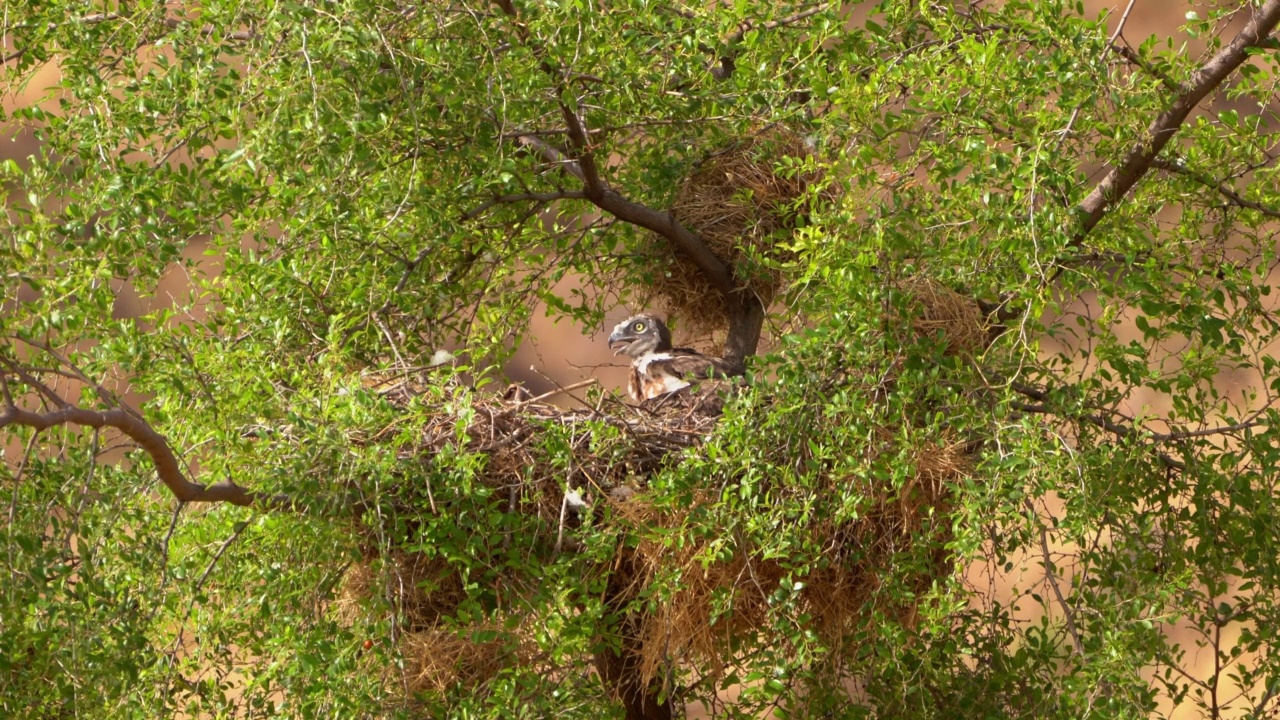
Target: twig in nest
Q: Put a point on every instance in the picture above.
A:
(559, 390)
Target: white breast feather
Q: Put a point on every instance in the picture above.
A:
(670, 383)
(642, 362)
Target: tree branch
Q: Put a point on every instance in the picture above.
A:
(171, 23)
(552, 154)
(541, 197)
(166, 463)
(725, 65)
(663, 223)
(1045, 404)
(609, 200)
(1138, 161)
(1124, 18)
(748, 26)
(1223, 188)
(1051, 577)
(746, 317)
(1136, 60)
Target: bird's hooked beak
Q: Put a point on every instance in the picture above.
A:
(619, 341)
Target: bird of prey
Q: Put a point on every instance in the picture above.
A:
(657, 368)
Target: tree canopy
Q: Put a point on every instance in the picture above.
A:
(999, 276)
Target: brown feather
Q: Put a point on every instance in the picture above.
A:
(657, 374)
(657, 368)
(690, 365)
(635, 385)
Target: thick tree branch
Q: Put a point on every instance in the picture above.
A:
(552, 154)
(166, 463)
(609, 200)
(746, 316)
(1224, 189)
(746, 312)
(1138, 161)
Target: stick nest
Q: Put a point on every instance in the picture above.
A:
(607, 455)
(744, 200)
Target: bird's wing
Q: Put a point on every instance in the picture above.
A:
(690, 365)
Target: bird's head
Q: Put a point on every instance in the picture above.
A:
(638, 335)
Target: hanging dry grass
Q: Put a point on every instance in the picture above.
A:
(424, 591)
(744, 205)
(439, 659)
(718, 601)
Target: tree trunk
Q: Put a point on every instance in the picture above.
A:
(620, 668)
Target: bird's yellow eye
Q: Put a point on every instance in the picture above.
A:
(638, 327)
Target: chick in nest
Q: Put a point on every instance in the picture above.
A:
(658, 368)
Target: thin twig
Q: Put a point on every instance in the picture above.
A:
(541, 197)
(13, 498)
(84, 488)
(558, 391)
(748, 26)
(4, 388)
(1124, 17)
(1066, 131)
(169, 22)
(164, 544)
(195, 593)
(1224, 189)
(1050, 577)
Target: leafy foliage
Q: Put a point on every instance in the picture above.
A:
(347, 188)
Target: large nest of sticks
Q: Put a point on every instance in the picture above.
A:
(744, 200)
(612, 451)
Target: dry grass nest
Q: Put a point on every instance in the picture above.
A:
(422, 590)
(692, 626)
(939, 311)
(613, 450)
(744, 200)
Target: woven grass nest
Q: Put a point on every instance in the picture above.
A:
(940, 312)
(614, 449)
(744, 200)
